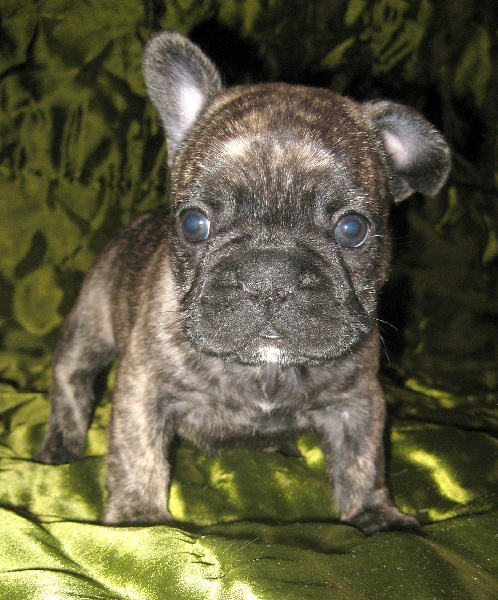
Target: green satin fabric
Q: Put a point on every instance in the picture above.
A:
(251, 525)
(81, 153)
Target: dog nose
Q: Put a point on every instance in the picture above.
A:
(267, 293)
(268, 277)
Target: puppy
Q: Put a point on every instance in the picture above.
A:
(247, 312)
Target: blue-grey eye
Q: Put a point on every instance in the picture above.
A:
(194, 225)
(352, 230)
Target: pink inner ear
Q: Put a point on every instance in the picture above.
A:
(190, 102)
(396, 148)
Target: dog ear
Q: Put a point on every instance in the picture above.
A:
(417, 153)
(180, 81)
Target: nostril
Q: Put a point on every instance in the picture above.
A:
(282, 294)
(266, 293)
(252, 293)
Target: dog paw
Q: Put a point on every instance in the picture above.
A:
(383, 518)
(56, 451)
(116, 514)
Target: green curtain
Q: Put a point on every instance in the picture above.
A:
(82, 153)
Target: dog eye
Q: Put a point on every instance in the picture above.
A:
(351, 230)
(194, 225)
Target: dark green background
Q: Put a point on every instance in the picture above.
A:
(81, 153)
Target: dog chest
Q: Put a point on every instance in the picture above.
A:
(247, 410)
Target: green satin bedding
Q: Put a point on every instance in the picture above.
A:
(81, 153)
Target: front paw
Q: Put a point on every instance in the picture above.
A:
(123, 513)
(383, 518)
(56, 449)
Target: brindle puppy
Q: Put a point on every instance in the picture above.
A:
(247, 313)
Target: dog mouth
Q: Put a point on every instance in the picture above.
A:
(264, 347)
(287, 338)
(272, 348)
(269, 346)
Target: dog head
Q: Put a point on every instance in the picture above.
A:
(281, 197)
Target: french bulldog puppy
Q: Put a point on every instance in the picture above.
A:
(247, 311)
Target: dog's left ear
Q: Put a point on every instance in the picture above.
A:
(180, 80)
(417, 153)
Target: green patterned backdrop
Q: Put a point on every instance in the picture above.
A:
(81, 153)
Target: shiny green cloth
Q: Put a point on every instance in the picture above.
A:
(81, 153)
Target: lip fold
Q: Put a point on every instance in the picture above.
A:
(269, 333)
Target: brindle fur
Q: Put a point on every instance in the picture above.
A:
(273, 166)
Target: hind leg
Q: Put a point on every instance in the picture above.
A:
(85, 348)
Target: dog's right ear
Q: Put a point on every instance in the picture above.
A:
(180, 80)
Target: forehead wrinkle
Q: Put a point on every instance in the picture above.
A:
(308, 154)
(274, 174)
(269, 165)
(274, 181)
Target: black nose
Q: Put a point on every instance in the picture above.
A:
(268, 277)
(265, 293)
(271, 279)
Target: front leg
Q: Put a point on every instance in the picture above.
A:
(351, 434)
(138, 471)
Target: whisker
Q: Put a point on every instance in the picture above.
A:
(384, 350)
(387, 323)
